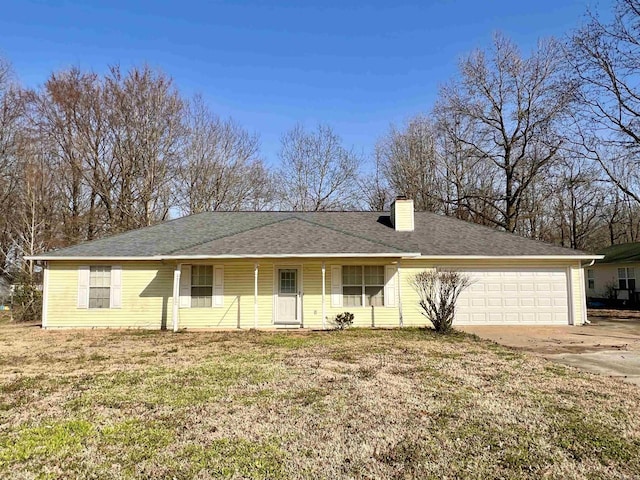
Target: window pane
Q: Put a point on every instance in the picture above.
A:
(374, 275)
(99, 297)
(592, 284)
(200, 302)
(622, 273)
(288, 283)
(202, 275)
(590, 274)
(374, 296)
(201, 286)
(352, 275)
(352, 296)
(631, 283)
(622, 284)
(100, 276)
(631, 273)
(201, 291)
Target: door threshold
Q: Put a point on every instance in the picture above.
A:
(287, 325)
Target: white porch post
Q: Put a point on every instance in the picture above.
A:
(176, 296)
(45, 294)
(255, 296)
(324, 288)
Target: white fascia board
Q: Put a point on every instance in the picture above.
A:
(206, 257)
(415, 256)
(87, 258)
(510, 257)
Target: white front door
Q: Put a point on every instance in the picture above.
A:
(288, 301)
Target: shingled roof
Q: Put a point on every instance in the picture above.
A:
(262, 234)
(623, 253)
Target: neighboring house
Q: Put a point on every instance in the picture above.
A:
(614, 276)
(294, 269)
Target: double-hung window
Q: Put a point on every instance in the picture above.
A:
(626, 278)
(591, 279)
(201, 286)
(363, 285)
(99, 286)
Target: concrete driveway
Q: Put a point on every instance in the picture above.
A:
(608, 346)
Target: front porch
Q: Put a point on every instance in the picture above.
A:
(285, 293)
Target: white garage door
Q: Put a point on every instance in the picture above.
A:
(514, 296)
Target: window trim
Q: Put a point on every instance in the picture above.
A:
(626, 277)
(84, 286)
(363, 286)
(104, 269)
(194, 269)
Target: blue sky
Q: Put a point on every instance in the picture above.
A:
(355, 65)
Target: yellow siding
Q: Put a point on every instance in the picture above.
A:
(146, 297)
(147, 294)
(402, 215)
(577, 294)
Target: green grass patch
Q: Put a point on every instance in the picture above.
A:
(175, 387)
(237, 458)
(586, 437)
(57, 439)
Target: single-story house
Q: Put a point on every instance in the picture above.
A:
(300, 269)
(614, 276)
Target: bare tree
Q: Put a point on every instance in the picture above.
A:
(374, 187)
(411, 163)
(605, 60)
(11, 112)
(220, 169)
(146, 125)
(68, 120)
(505, 112)
(316, 171)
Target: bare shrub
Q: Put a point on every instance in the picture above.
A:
(343, 320)
(439, 291)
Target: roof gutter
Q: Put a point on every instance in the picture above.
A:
(510, 257)
(407, 255)
(223, 257)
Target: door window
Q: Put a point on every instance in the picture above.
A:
(288, 281)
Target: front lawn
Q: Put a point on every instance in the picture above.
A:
(322, 405)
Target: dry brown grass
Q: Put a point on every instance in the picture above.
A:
(354, 404)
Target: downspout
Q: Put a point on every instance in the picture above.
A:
(176, 296)
(255, 295)
(324, 291)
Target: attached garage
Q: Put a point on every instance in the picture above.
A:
(515, 296)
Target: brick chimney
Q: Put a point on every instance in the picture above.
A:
(402, 214)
